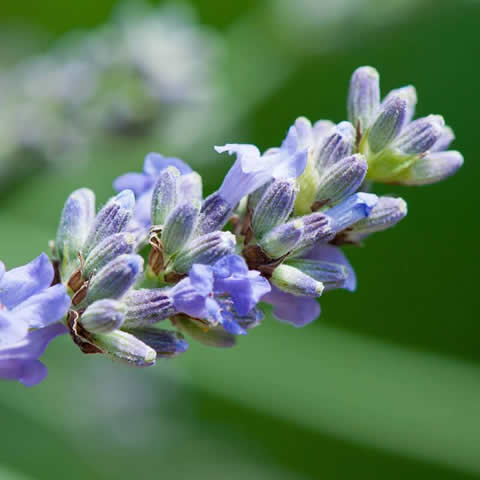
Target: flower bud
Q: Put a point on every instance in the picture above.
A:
(332, 275)
(166, 343)
(433, 168)
(385, 214)
(341, 180)
(336, 145)
(409, 94)
(320, 130)
(125, 347)
(115, 278)
(291, 280)
(316, 228)
(363, 97)
(351, 210)
(388, 124)
(77, 217)
(108, 249)
(255, 196)
(179, 227)
(112, 218)
(103, 316)
(282, 239)
(147, 306)
(214, 214)
(446, 138)
(213, 337)
(204, 250)
(164, 197)
(189, 188)
(419, 136)
(275, 206)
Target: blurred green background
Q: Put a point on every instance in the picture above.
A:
(386, 383)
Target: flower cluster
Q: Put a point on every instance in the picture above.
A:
(157, 252)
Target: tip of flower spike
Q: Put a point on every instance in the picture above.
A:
(126, 199)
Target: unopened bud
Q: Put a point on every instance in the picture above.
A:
(179, 227)
(291, 280)
(363, 96)
(433, 168)
(108, 249)
(388, 124)
(77, 218)
(332, 275)
(204, 250)
(103, 316)
(337, 144)
(419, 136)
(115, 278)
(274, 207)
(214, 214)
(147, 306)
(282, 239)
(112, 218)
(164, 197)
(126, 347)
(166, 343)
(341, 180)
(189, 188)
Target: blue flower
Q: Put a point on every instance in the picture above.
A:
(252, 170)
(224, 293)
(29, 311)
(300, 310)
(142, 185)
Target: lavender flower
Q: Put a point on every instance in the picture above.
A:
(289, 209)
(29, 312)
(221, 294)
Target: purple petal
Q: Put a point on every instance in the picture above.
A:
(137, 182)
(332, 254)
(45, 308)
(33, 345)
(192, 295)
(293, 309)
(229, 265)
(20, 360)
(245, 290)
(201, 277)
(22, 282)
(28, 372)
(155, 162)
(12, 328)
(231, 326)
